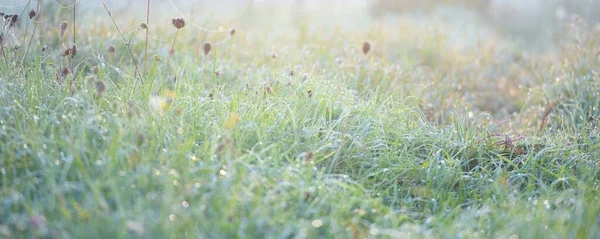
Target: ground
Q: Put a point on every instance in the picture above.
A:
(276, 120)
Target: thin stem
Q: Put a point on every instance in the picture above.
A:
(137, 69)
(25, 35)
(74, 42)
(172, 50)
(147, 26)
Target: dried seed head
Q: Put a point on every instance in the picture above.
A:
(231, 32)
(274, 55)
(171, 52)
(67, 52)
(310, 93)
(31, 14)
(157, 57)
(74, 50)
(268, 90)
(292, 73)
(308, 156)
(13, 20)
(44, 48)
(178, 22)
(96, 69)
(100, 87)
(111, 49)
(366, 47)
(144, 26)
(206, 48)
(64, 72)
(63, 27)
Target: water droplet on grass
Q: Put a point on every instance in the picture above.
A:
(317, 223)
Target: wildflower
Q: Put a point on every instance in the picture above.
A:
(111, 49)
(63, 27)
(178, 22)
(366, 47)
(32, 14)
(206, 48)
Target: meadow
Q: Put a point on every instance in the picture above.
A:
(233, 119)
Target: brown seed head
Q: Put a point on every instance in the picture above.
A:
(64, 72)
(366, 47)
(171, 52)
(157, 57)
(67, 52)
(96, 69)
(74, 50)
(63, 27)
(308, 156)
(310, 93)
(231, 32)
(100, 86)
(178, 22)
(31, 14)
(111, 49)
(13, 20)
(144, 26)
(268, 90)
(274, 55)
(206, 48)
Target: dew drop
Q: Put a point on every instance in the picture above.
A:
(317, 223)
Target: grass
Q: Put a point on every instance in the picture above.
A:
(406, 141)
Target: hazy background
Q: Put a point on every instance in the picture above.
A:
(531, 24)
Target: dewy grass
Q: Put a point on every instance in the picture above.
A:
(424, 139)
